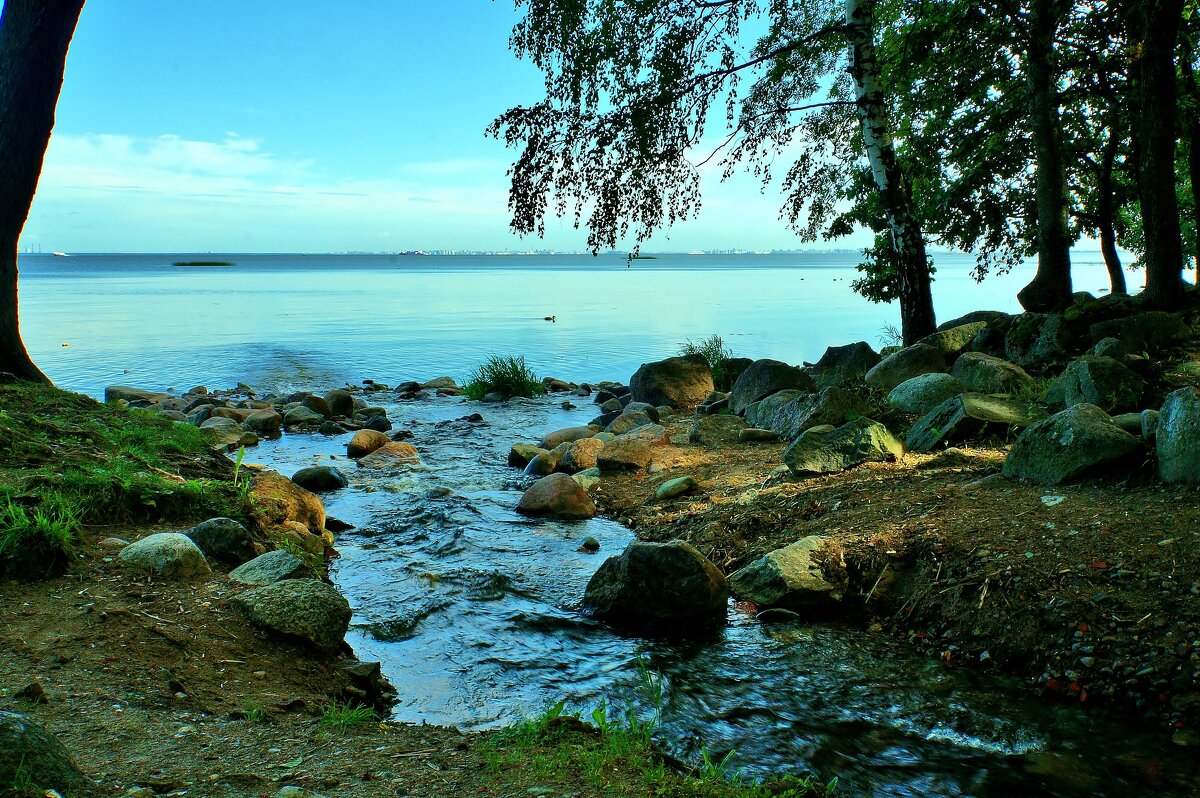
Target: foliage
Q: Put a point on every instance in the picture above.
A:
(508, 376)
(37, 541)
(341, 716)
(716, 354)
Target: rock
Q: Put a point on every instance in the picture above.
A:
(833, 405)
(223, 539)
(911, 361)
(1152, 331)
(1178, 437)
(649, 409)
(1036, 340)
(1101, 381)
(267, 421)
(988, 316)
(341, 403)
(842, 364)
(115, 392)
(1068, 445)
(649, 434)
(1130, 422)
(612, 406)
(716, 431)
(559, 496)
(822, 450)
(761, 413)
(274, 566)
(395, 454)
(378, 423)
(674, 488)
(987, 374)
(317, 404)
(967, 416)
(752, 435)
(923, 393)
(544, 463)
(329, 428)
(565, 436)
(580, 455)
(1150, 420)
(713, 403)
(953, 340)
(623, 455)
(789, 576)
(222, 431)
(168, 554)
(301, 416)
(297, 792)
(658, 585)
(279, 500)
(440, 383)
(590, 544)
(31, 755)
(763, 378)
(366, 441)
(320, 478)
(521, 453)
(628, 420)
(306, 609)
(588, 478)
(681, 382)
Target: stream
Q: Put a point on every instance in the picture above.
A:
(473, 611)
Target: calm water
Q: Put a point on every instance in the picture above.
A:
(282, 321)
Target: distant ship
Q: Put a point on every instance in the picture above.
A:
(59, 254)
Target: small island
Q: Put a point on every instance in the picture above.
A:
(202, 263)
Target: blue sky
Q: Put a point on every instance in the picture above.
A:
(272, 126)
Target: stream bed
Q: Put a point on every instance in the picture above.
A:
(473, 611)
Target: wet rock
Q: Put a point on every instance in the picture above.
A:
(825, 449)
(331, 428)
(317, 404)
(341, 403)
(1068, 445)
(912, 361)
(673, 488)
(590, 544)
(658, 585)
(967, 416)
(716, 431)
(377, 422)
(752, 435)
(223, 539)
(320, 478)
(1101, 381)
(1178, 437)
(680, 382)
(366, 441)
(168, 554)
(521, 453)
(544, 463)
(395, 454)
(1152, 331)
(280, 500)
(983, 373)
(763, 378)
(923, 393)
(580, 455)
(623, 455)
(628, 421)
(265, 421)
(791, 576)
(440, 384)
(953, 340)
(565, 436)
(558, 496)
(305, 609)
(842, 364)
(31, 755)
(301, 416)
(269, 568)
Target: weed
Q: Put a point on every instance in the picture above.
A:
(237, 464)
(313, 561)
(716, 354)
(22, 783)
(343, 716)
(40, 540)
(890, 336)
(507, 376)
(255, 712)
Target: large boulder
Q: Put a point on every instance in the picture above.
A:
(1152, 331)
(763, 378)
(580, 455)
(521, 453)
(924, 392)
(833, 405)
(1037, 340)
(649, 434)
(114, 392)
(366, 441)
(716, 431)
(909, 362)
(953, 340)
(983, 373)
(396, 454)
(265, 421)
(31, 755)
(841, 364)
(1102, 381)
(823, 450)
(623, 454)
(559, 496)
(301, 416)
(989, 316)
(274, 566)
(168, 554)
(320, 478)
(223, 539)
(792, 576)
(1068, 445)
(318, 405)
(221, 431)
(304, 609)
(1178, 437)
(679, 382)
(761, 412)
(280, 500)
(341, 403)
(658, 585)
(565, 436)
(968, 416)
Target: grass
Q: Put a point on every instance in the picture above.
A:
(717, 354)
(505, 375)
(342, 717)
(67, 461)
(255, 712)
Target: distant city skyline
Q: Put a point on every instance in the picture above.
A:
(273, 127)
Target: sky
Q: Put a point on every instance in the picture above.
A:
(268, 126)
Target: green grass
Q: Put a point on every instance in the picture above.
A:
(505, 375)
(255, 712)
(341, 717)
(717, 354)
(67, 461)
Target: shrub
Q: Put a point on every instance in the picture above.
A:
(717, 354)
(37, 541)
(507, 376)
(343, 716)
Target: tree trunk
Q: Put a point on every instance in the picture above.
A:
(1191, 132)
(908, 243)
(1106, 206)
(34, 37)
(1156, 24)
(1051, 287)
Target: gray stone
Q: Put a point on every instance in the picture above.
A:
(1110, 347)
(1101, 381)
(1152, 331)
(30, 754)
(305, 609)
(833, 405)
(789, 577)
(223, 539)
(953, 340)
(1036, 340)
(988, 316)
(680, 382)
(658, 585)
(909, 362)
(559, 496)
(318, 405)
(301, 416)
(924, 392)
(320, 478)
(983, 373)
(629, 420)
(266, 421)
(1150, 424)
(752, 435)
(842, 364)
(761, 413)
(114, 392)
(965, 416)
(297, 792)
(763, 378)
(588, 478)
(822, 449)
(644, 407)
(674, 488)
(716, 431)
(1069, 445)
(1178, 437)
(269, 568)
(167, 554)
